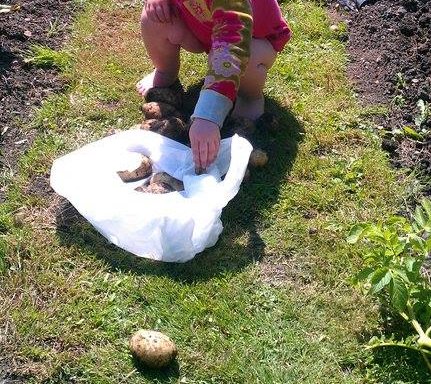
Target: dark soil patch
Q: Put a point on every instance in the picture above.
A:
(390, 63)
(23, 87)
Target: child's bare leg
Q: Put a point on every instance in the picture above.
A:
(250, 101)
(163, 42)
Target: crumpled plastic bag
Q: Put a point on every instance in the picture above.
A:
(170, 227)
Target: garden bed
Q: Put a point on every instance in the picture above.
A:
(23, 86)
(389, 44)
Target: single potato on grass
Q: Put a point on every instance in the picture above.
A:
(153, 349)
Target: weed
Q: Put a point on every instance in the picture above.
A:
(349, 173)
(399, 100)
(45, 57)
(54, 27)
(400, 83)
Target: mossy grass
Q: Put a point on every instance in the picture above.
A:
(272, 302)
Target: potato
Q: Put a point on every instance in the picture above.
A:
(143, 171)
(169, 95)
(152, 348)
(152, 125)
(159, 110)
(240, 125)
(268, 122)
(165, 178)
(172, 128)
(156, 188)
(258, 158)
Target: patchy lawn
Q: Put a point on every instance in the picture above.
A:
(272, 302)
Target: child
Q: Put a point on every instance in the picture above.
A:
(241, 37)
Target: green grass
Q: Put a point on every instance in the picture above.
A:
(272, 301)
(45, 57)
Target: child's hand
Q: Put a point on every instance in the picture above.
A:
(205, 141)
(159, 11)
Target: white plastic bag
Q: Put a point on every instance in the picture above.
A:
(170, 227)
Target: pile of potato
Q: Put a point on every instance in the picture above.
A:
(158, 182)
(163, 114)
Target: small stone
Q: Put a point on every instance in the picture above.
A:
(111, 131)
(312, 231)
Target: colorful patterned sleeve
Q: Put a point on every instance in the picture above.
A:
(227, 60)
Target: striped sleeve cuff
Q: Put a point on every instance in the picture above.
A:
(212, 106)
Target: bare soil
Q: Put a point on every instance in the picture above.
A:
(22, 86)
(389, 42)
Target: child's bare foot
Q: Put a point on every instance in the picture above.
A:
(155, 79)
(251, 109)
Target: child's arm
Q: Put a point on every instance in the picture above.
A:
(227, 61)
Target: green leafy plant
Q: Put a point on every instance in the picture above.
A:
(395, 271)
(349, 173)
(399, 100)
(45, 57)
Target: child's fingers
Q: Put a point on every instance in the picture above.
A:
(167, 12)
(149, 11)
(213, 151)
(152, 13)
(160, 14)
(195, 151)
(203, 154)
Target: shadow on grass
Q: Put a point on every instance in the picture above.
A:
(165, 374)
(239, 244)
(393, 364)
